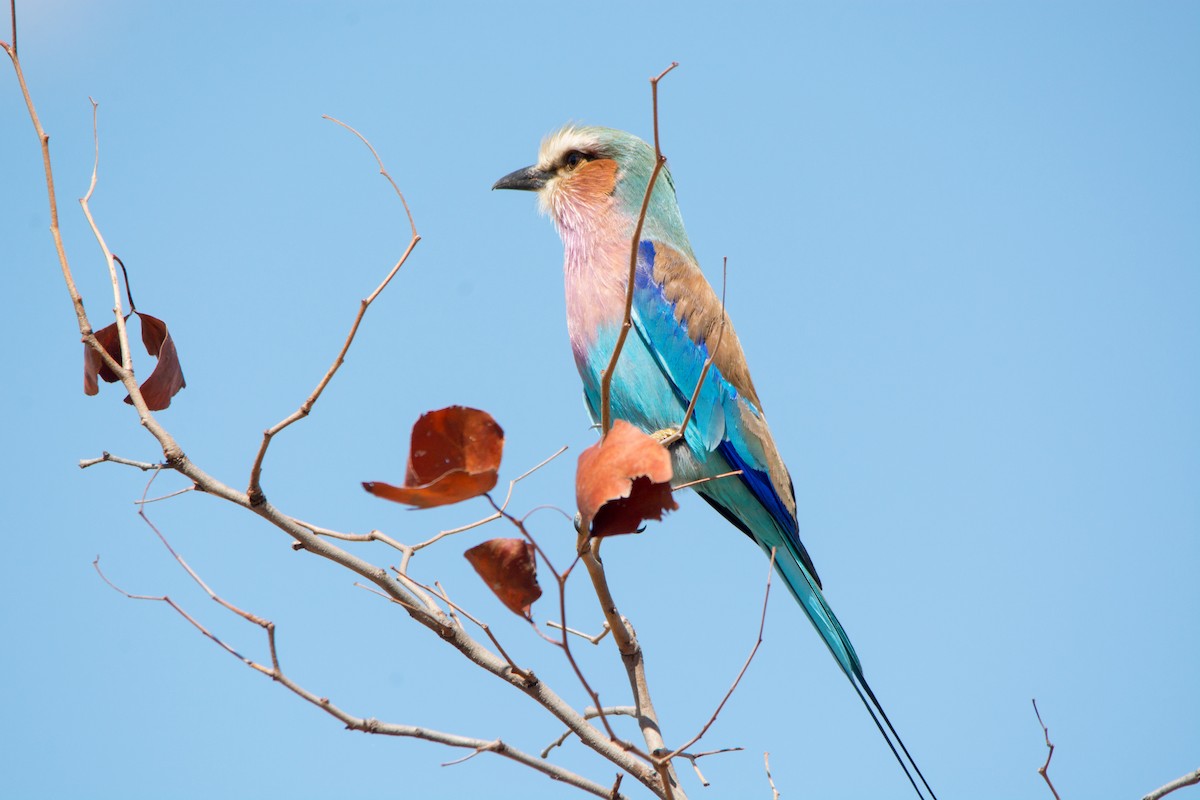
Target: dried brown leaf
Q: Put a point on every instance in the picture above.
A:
(509, 568)
(93, 364)
(623, 480)
(455, 455)
(165, 380)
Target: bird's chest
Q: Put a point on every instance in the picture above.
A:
(595, 274)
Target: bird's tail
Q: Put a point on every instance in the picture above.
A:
(806, 591)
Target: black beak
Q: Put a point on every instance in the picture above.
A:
(528, 179)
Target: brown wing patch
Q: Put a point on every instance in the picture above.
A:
(699, 309)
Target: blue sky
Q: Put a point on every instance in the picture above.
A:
(964, 261)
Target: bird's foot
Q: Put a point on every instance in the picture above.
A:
(666, 437)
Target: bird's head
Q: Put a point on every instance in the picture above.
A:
(585, 174)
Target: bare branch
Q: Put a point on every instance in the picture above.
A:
(106, 456)
(84, 202)
(526, 675)
(371, 536)
(762, 623)
(633, 660)
(166, 496)
(367, 724)
(694, 757)
(604, 631)
(1042, 770)
(770, 780)
(627, 323)
(399, 589)
(698, 481)
(179, 610)
(255, 489)
(1191, 779)
(591, 713)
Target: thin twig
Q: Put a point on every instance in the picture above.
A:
(770, 780)
(1191, 779)
(631, 656)
(179, 610)
(698, 481)
(604, 631)
(694, 757)
(166, 496)
(590, 713)
(364, 724)
(125, 369)
(762, 623)
(490, 747)
(627, 322)
(174, 458)
(51, 196)
(1042, 770)
(106, 456)
(708, 362)
(255, 489)
(525, 675)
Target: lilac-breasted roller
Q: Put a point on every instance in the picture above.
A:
(592, 182)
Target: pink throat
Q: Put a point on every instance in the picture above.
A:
(596, 250)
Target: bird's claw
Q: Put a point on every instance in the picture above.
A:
(666, 436)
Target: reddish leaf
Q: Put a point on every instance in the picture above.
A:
(93, 364)
(509, 568)
(164, 382)
(455, 455)
(167, 378)
(623, 480)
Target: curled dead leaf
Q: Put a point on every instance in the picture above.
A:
(509, 568)
(622, 480)
(165, 380)
(455, 455)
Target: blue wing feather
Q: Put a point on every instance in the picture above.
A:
(720, 443)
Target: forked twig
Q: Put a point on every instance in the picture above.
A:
(590, 713)
(175, 459)
(1043, 769)
(604, 631)
(526, 675)
(255, 489)
(124, 369)
(364, 724)
(694, 757)
(627, 322)
(106, 456)
(762, 623)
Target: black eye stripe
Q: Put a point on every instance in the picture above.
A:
(574, 158)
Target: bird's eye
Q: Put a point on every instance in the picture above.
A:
(573, 159)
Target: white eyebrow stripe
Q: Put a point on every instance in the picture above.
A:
(563, 141)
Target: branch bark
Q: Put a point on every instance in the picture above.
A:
(175, 459)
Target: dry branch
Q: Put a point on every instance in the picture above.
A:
(1191, 779)
(1043, 769)
(352, 722)
(627, 322)
(255, 490)
(394, 588)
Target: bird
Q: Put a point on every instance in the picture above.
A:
(592, 181)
